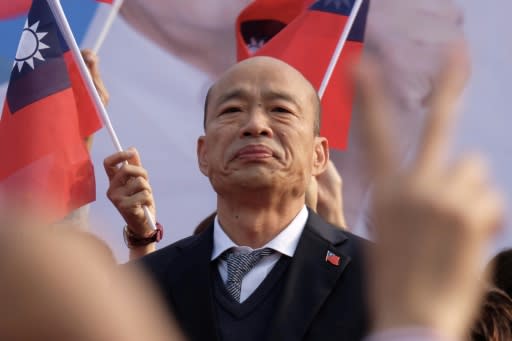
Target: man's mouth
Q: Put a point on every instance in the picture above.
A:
(254, 152)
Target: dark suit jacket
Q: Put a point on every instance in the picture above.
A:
(320, 301)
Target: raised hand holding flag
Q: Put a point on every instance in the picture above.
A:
(68, 37)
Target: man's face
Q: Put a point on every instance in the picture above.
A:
(260, 130)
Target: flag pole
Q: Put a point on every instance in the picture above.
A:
(114, 11)
(62, 21)
(339, 47)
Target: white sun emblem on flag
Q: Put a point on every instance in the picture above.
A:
(30, 46)
(255, 44)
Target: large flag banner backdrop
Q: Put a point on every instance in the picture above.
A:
(157, 91)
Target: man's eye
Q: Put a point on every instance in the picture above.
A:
(231, 110)
(280, 110)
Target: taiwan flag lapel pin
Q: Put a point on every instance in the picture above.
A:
(332, 258)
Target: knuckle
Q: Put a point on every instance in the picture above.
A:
(106, 162)
(116, 201)
(124, 205)
(125, 172)
(144, 173)
(140, 182)
(112, 194)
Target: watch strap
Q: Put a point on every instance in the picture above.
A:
(133, 240)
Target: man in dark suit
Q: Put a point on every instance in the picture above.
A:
(267, 268)
(318, 300)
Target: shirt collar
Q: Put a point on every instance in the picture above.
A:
(285, 242)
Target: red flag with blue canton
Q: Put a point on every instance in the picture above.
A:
(46, 115)
(307, 42)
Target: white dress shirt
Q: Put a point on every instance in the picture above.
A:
(285, 243)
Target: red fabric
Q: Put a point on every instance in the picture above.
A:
(307, 43)
(281, 10)
(44, 159)
(88, 117)
(13, 8)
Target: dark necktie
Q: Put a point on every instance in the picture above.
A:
(239, 264)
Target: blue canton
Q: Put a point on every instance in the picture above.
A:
(343, 7)
(48, 75)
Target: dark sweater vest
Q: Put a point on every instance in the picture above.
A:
(251, 319)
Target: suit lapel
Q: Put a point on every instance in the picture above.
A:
(192, 293)
(310, 279)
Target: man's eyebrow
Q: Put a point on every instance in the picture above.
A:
(232, 94)
(240, 93)
(280, 95)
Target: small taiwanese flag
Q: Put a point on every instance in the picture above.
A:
(46, 116)
(307, 42)
(332, 258)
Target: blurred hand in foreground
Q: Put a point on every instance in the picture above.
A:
(433, 219)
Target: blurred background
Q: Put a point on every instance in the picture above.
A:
(161, 56)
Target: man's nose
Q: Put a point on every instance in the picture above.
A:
(257, 124)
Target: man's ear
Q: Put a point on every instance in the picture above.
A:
(320, 155)
(202, 155)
